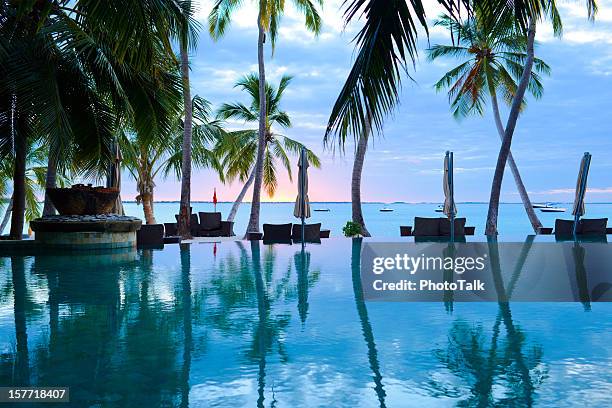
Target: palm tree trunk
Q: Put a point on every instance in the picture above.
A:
(256, 202)
(50, 182)
(240, 197)
(19, 193)
(7, 215)
(185, 209)
(533, 218)
(147, 207)
(504, 151)
(362, 147)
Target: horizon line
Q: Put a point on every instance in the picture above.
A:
(363, 202)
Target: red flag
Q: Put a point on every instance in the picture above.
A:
(215, 199)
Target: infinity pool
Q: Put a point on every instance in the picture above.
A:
(244, 324)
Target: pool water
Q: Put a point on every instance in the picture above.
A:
(245, 324)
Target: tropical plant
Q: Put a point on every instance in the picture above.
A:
(352, 229)
(187, 39)
(268, 22)
(387, 43)
(492, 58)
(239, 149)
(35, 174)
(147, 158)
(70, 71)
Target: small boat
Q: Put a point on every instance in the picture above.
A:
(553, 209)
(439, 209)
(386, 209)
(322, 209)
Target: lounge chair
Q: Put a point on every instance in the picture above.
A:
(211, 225)
(436, 227)
(587, 227)
(170, 229)
(277, 233)
(312, 233)
(194, 225)
(151, 235)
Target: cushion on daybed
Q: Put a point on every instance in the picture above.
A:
(459, 227)
(277, 232)
(210, 220)
(312, 232)
(564, 227)
(593, 226)
(426, 227)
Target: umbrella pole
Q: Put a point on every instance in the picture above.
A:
(452, 195)
(302, 180)
(582, 192)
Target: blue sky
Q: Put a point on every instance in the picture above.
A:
(404, 164)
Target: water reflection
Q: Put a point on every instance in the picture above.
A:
(366, 327)
(187, 322)
(501, 372)
(257, 325)
(22, 363)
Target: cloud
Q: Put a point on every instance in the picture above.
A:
(604, 190)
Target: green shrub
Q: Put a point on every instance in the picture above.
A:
(351, 229)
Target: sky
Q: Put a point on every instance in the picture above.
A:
(404, 163)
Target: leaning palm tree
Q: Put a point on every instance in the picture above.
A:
(147, 158)
(268, 21)
(387, 44)
(239, 149)
(492, 58)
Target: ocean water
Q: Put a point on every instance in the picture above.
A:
(512, 218)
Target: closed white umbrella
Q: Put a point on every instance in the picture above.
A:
(450, 209)
(302, 205)
(581, 186)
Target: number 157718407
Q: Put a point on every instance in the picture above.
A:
(34, 394)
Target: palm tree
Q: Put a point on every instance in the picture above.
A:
(358, 162)
(35, 173)
(239, 149)
(387, 43)
(268, 21)
(69, 73)
(146, 158)
(186, 40)
(492, 58)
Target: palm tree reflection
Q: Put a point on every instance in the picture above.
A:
(509, 363)
(22, 363)
(187, 322)
(366, 327)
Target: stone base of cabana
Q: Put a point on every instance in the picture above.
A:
(86, 232)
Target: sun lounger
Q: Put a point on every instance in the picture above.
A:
(586, 227)
(211, 225)
(436, 227)
(312, 233)
(277, 233)
(151, 235)
(170, 229)
(194, 225)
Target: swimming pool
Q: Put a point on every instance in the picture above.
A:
(244, 324)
